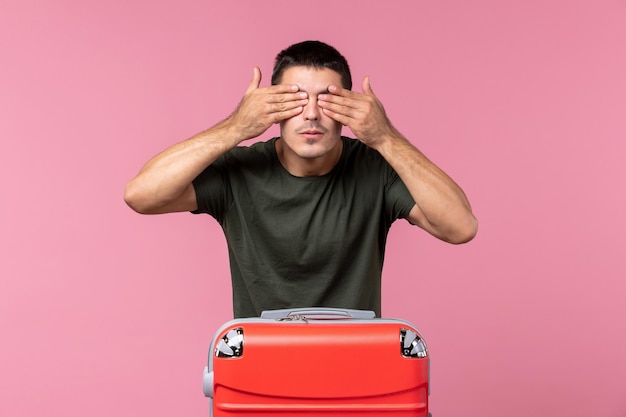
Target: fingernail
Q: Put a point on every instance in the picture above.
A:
(303, 95)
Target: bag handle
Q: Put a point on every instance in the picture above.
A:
(317, 313)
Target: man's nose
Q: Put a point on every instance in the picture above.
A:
(312, 110)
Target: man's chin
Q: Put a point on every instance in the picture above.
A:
(310, 148)
(311, 153)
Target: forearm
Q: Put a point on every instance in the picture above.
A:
(441, 205)
(167, 176)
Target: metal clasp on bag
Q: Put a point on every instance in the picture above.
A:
(294, 317)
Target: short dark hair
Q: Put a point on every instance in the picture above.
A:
(314, 54)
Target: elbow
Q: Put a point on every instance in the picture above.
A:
(134, 200)
(464, 231)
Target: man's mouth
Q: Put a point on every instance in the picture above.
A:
(310, 132)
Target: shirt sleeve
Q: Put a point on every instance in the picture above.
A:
(212, 191)
(398, 199)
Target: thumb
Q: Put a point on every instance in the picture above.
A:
(256, 80)
(366, 87)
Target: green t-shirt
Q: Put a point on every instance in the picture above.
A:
(303, 241)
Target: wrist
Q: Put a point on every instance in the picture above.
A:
(227, 132)
(387, 141)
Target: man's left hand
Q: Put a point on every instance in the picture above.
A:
(362, 112)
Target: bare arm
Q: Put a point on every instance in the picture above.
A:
(164, 184)
(441, 208)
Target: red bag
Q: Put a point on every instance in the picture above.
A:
(308, 362)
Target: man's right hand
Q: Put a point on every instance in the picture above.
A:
(261, 107)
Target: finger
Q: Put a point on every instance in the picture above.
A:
(343, 97)
(256, 80)
(281, 89)
(338, 117)
(366, 86)
(282, 106)
(338, 108)
(286, 114)
(340, 91)
(326, 100)
(284, 97)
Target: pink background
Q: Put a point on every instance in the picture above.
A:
(108, 313)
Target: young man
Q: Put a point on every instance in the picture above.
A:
(305, 215)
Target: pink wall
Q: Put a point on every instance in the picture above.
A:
(107, 313)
